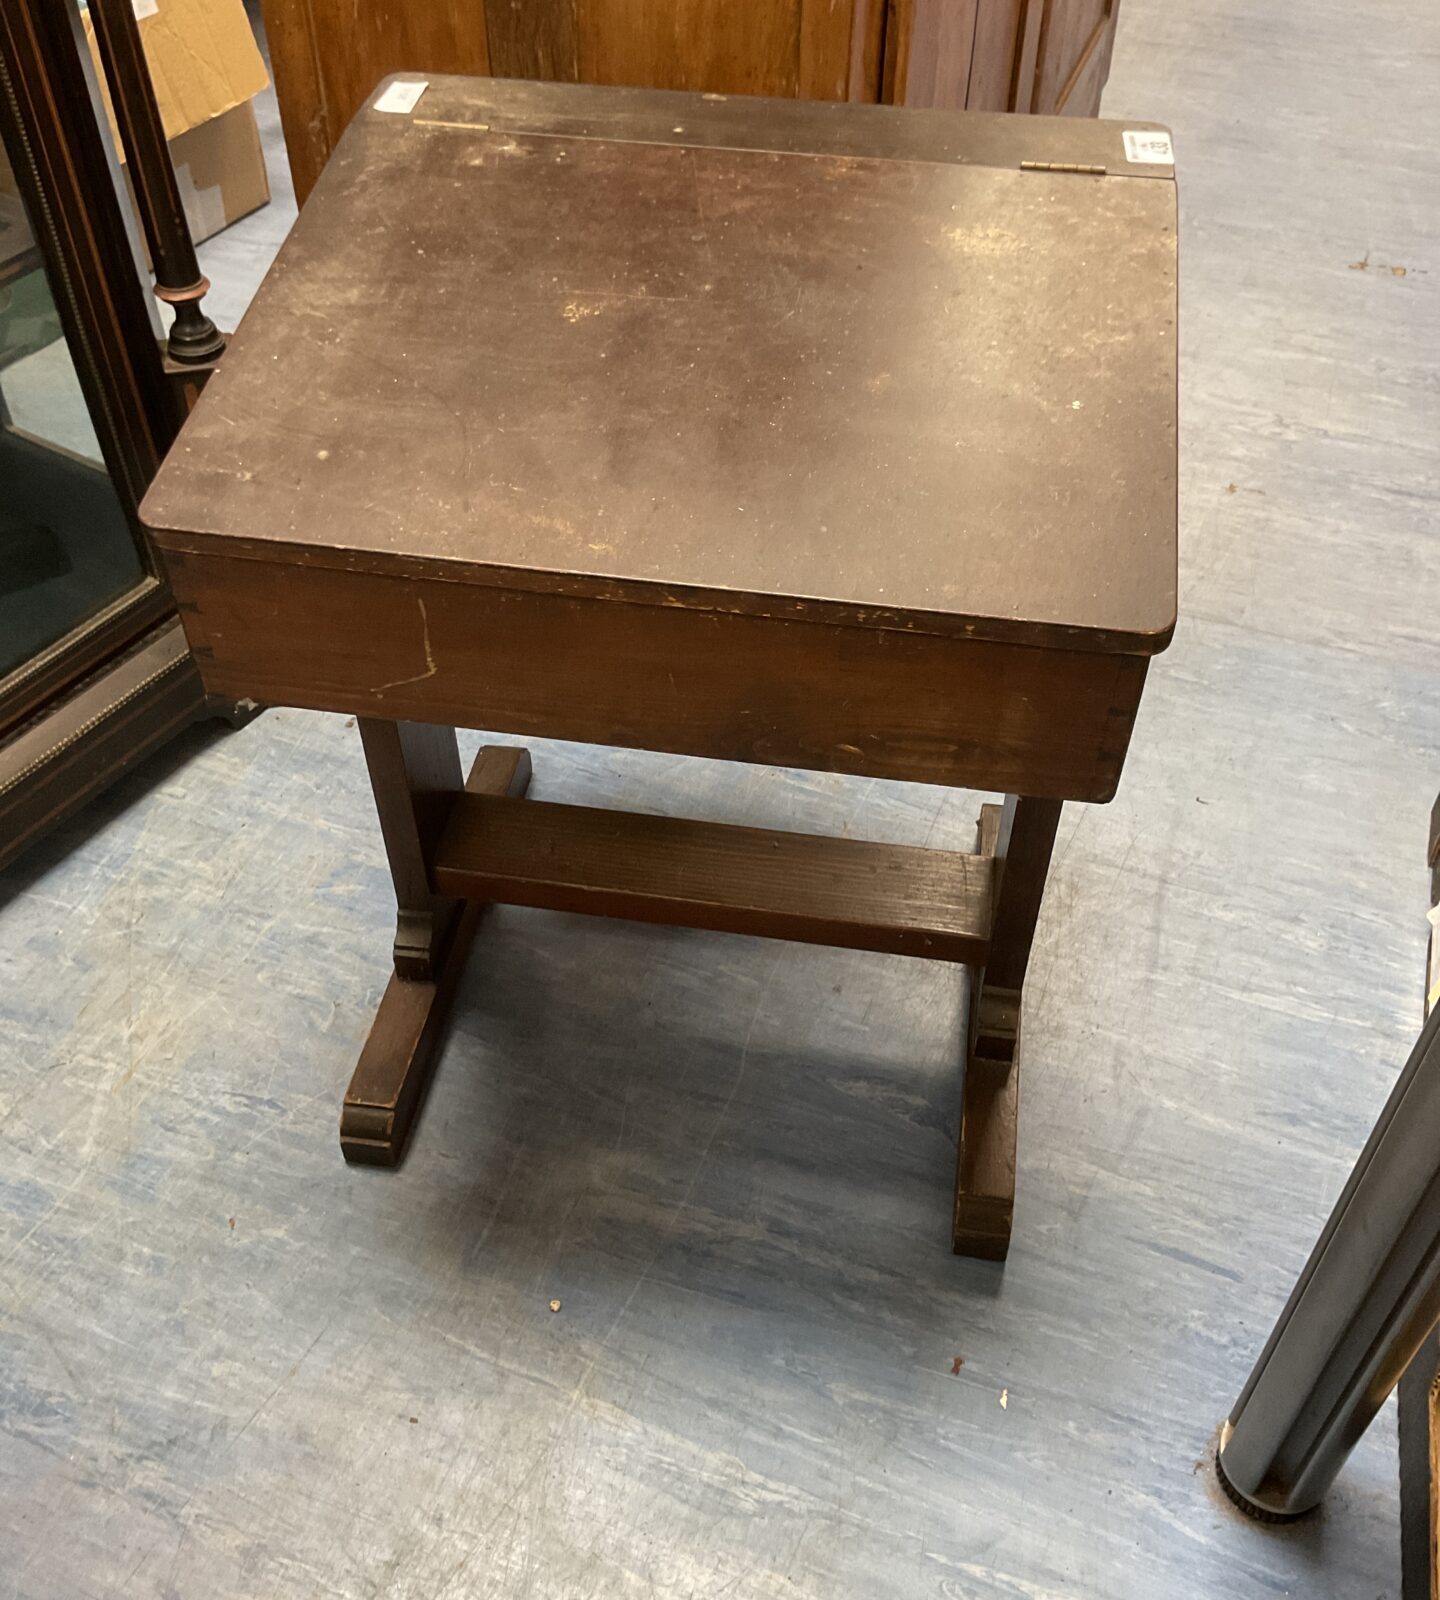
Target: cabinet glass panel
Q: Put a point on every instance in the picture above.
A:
(66, 549)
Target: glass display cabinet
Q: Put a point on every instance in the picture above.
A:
(94, 672)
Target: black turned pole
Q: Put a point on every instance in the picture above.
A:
(194, 339)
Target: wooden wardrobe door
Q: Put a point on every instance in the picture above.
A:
(929, 48)
(1048, 56)
(988, 55)
(327, 55)
(1072, 41)
(810, 49)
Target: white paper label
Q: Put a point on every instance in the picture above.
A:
(145, 8)
(1149, 146)
(401, 98)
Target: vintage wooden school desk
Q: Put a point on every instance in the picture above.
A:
(825, 436)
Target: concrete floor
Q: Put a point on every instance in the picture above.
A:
(231, 1366)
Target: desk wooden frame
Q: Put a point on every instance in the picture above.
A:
(992, 634)
(1045, 724)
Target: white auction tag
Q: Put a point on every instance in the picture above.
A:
(146, 8)
(402, 97)
(1149, 145)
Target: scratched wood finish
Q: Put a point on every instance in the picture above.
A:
(723, 377)
(769, 690)
(818, 890)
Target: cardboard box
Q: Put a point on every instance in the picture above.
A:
(221, 170)
(206, 69)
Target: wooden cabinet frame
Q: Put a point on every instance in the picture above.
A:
(103, 696)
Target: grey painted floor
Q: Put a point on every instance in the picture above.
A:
(230, 1366)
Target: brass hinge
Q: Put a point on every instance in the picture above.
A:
(1062, 166)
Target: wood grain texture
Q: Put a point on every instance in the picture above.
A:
(899, 22)
(829, 35)
(867, 50)
(328, 55)
(1030, 27)
(310, 134)
(400, 1053)
(844, 892)
(994, 50)
(1079, 95)
(533, 39)
(929, 53)
(708, 45)
(834, 699)
(415, 775)
(1021, 842)
(1074, 45)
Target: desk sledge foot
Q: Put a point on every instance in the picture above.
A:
(410, 765)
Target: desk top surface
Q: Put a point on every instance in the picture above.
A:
(849, 363)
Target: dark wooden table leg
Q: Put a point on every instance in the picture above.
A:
(415, 773)
(1020, 835)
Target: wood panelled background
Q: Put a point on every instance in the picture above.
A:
(1072, 57)
(991, 55)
